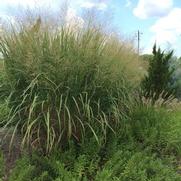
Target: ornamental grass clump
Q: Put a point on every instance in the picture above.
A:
(63, 84)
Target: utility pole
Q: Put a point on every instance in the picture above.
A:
(138, 36)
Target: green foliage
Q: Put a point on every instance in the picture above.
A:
(4, 109)
(125, 164)
(139, 166)
(146, 125)
(156, 128)
(64, 84)
(145, 151)
(159, 80)
(70, 95)
(146, 148)
(2, 165)
(173, 134)
(52, 168)
(23, 170)
(176, 64)
(147, 57)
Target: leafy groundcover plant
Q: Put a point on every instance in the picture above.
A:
(146, 149)
(126, 162)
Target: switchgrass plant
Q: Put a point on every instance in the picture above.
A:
(64, 84)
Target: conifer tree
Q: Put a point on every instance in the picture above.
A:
(159, 80)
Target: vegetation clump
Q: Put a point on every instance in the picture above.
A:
(71, 95)
(64, 84)
(159, 81)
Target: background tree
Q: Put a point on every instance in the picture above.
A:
(176, 64)
(159, 80)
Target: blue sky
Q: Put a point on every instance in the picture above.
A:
(158, 20)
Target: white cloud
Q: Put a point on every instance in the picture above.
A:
(27, 3)
(72, 19)
(11, 5)
(70, 16)
(168, 28)
(166, 31)
(171, 22)
(88, 5)
(152, 8)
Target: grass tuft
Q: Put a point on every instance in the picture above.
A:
(65, 84)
